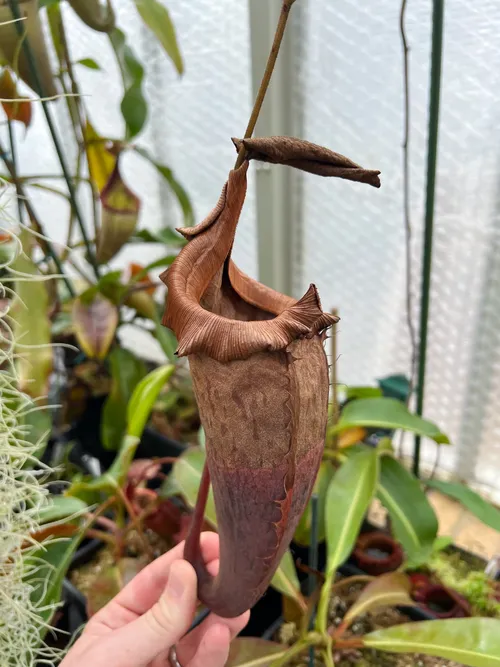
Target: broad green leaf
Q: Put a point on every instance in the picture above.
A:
(120, 213)
(134, 107)
(303, 532)
(387, 413)
(95, 325)
(144, 397)
(470, 499)
(468, 641)
(177, 189)
(352, 393)
(155, 15)
(89, 63)
(349, 495)
(414, 522)
(186, 473)
(126, 372)
(388, 590)
(286, 581)
(253, 652)
(31, 325)
(61, 507)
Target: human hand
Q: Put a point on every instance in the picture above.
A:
(152, 614)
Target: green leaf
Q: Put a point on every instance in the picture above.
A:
(286, 581)
(144, 397)
(353, 393)
(47, 3)
(126, 372)
(89, 63)
(134, 107)
(253, 652)
(186, 473)
(31, 325)
(468, 641)
(61, 507)
(165, 236)
(349, 495)
(303, 532)
(387, 413)
(156, 17)
(395, 386)
(485, 512)
(388, 590)
(177, 189)
(414, 522)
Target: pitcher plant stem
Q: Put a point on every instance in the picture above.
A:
(266, 79)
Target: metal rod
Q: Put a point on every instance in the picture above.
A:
(432, 151)
(14, 7)
(313, 563)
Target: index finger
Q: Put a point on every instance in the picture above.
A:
(146, 587)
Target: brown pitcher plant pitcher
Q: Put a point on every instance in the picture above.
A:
(260, 377)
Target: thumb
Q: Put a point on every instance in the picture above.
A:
(139, 642)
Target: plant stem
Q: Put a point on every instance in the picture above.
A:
(13, 155)
(327, 654)
(293, 651)
(333, 380)
(14, 7)
(432, 150)
(136, 523)
(324, 601)
(266, 79)
(349, 644)
(406, 192)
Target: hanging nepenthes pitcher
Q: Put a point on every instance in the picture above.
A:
(260, 377)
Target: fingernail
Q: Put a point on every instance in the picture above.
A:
(175, 584)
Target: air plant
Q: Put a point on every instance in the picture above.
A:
(23, 494)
